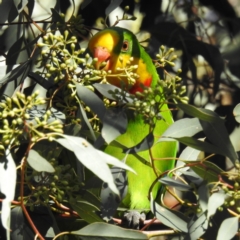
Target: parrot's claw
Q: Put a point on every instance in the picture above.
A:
(133, 219)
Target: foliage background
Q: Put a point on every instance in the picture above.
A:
(204, 33)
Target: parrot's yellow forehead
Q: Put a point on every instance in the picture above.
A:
(107, 39)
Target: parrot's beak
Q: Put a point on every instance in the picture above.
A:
(103, 56)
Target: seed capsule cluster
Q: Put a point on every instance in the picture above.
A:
(60, 55)
(74, 24)
(14, 114)
(17, 118)
(172, 85)
(45, 186)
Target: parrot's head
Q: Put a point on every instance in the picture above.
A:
(115, 46)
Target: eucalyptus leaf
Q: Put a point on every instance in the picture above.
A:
(203, 195)
(113, 5)
(99, 231)
(236, 112)
(189, 154)
(114, 124)
(207, 170)
(8, 176)
(47, 84)
(85, 119)
(217, 133)
(38, 163)
(215, 200)
(86, 210)
(16, 9)
(92, 101)
(168, 217)
(186, 127)
(16, 72)
(92, 158)
(200, 113)
(202, 145)
(228, 228)
(175, 183)
(110, 201)
(104, 89)
(198, 227)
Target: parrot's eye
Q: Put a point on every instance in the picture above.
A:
(125, 46)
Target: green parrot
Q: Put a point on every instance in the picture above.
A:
(115, 46)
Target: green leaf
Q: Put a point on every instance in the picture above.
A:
(38, 163)
(186, 127)
(100, 231)
(203, 195)
(84, 117)
(169, 217)
(175, 183)
(22, 69)
(17, 7)
(114, 124)
(189, 154)
(236, 112)
(92, 101)
(203, 146)
(207, 170)
(95, 160)
(56, 17)
(200, 113)
(109, 200)
(86, 210)
(215, 200)
(198, 228)
(217, 133)
(41, 81)
(114, 4)
(228, 228)
(104, 89)
(14, 51)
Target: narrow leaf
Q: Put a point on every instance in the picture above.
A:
(15, 73)
(217, 133)
(200, 145)
(200, 113)
(168, 217)
(175, 183)
(99, 231)
(114, 4)
(41, 81)
(86, 210)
